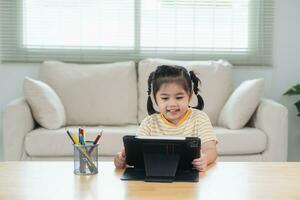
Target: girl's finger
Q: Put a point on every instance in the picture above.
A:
(123, 153)
(120, 163)
(122, 159)
(121, 156)
(198, 163)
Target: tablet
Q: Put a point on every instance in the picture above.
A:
(162, 158)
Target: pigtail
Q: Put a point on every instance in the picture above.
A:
(150, 108)
(195, 81)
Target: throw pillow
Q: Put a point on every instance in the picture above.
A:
(46, 106)
(242, 103)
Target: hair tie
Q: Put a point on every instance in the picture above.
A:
(195, 81)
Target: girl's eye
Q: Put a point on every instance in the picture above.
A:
(164, 98)
(179, 97)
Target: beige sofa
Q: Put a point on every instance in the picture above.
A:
(112, 98)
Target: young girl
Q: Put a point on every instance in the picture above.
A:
(172, 92)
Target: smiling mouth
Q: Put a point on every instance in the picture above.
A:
(173, 111)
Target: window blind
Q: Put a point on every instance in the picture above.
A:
(113, 30)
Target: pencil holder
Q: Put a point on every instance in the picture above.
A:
(86, 159)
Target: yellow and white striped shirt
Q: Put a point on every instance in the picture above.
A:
(195, 123)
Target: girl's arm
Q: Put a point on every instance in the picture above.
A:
(208, 156)
(209, 150)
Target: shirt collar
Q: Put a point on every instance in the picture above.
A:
(181, 121)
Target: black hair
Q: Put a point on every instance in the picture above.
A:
(166, 74)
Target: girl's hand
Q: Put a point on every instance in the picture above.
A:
(120, 160)
(200, 163)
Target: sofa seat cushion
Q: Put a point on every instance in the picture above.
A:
(56, 143)
(94, 94)
(242, 141)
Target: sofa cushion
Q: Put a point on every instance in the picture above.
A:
(55, 143)
(46, 106)
(216, 78)
(43, 142)
(241, 105)
(94, 94)
(242, 141)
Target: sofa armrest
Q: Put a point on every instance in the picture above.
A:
(272, 118)
(17, 122)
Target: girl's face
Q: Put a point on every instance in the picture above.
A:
(173, 101)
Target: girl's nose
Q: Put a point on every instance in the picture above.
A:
(172, 102)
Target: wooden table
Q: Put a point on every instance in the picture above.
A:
(223, 180)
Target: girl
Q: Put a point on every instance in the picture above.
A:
(172, 92)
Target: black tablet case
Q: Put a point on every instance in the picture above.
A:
(161, 160)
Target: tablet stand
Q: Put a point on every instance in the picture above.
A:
(160, 167)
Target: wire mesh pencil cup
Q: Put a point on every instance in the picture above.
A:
(86, 159)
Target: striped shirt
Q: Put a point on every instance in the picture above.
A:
(194, 124)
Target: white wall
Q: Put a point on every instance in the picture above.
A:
(287, 65)
(284, 73)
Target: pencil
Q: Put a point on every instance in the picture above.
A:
(83, 135)
(69, 134)
(97, 139)
(95, 142)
